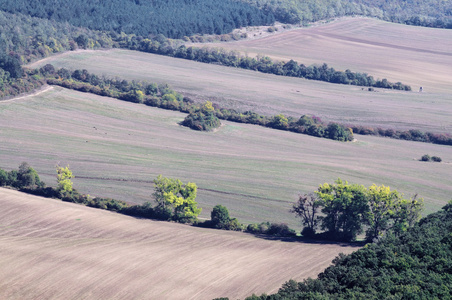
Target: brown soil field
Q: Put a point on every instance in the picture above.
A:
(117, 148)
(417, 56)
(55, 250)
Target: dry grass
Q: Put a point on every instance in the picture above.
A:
(55, 250)
(116, 149)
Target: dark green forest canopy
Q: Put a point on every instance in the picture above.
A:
(430, 13)
(172, 18)
(415, 265)
(178, 18)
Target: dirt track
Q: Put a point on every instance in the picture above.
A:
(55, 250)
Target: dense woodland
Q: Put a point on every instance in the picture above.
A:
(175, 18)
(414, 265)
(179, 18)
(429, 13)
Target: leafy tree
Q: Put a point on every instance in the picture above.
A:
(220, 216)
(64, 176)
(27, 177)
(4, 179)
(307, 208)
(383, 204)
(175, 200)
(345, 209)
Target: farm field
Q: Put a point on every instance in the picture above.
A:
(414, 55)
(269, 94)
(117, 148)
(55, 250)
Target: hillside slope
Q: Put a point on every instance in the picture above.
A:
(55, 250)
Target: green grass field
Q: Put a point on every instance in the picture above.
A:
(117, 148)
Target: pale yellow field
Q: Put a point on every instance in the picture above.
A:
(55, 250)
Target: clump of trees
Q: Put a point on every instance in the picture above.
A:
(346, 210)
(175, 200)
(25, 177)
(203, 119)
(427, 157)
(219, 218)
(416, 264)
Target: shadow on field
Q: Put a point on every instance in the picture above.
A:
(304, 240)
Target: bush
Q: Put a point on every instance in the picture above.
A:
(436, 159)
(426, 157)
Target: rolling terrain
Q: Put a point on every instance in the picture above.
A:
(420, 57)
(55, 250)
(117, 148)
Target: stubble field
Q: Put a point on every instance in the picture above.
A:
(56, 250)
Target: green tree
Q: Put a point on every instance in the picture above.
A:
(27, 177)
(4, 179)
(345, 209)
(64, 176)
(220, 217)
(382, 208)
(175, 200)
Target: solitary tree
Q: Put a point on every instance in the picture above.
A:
(64, 176)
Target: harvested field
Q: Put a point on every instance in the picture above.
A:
(117, 148)
(55, 250)
(414, 55)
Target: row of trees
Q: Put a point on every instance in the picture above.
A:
(201, 116)
(260, 63)
(348, 209)
(416, 264)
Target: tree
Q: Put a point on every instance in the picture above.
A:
(64, 176)
(345, 209)
(220, 216)
(4, 178)
(307, 208)
(27, 177)
(382, 208)
(175, 200)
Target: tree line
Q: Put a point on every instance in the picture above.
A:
(172, 201)
(201, 116)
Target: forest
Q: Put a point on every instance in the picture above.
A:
(179, 18)
(414, 265)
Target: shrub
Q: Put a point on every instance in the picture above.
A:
(426, 157)
(436, 159)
